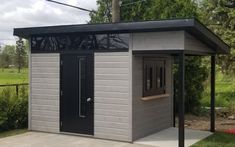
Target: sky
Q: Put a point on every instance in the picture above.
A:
(31, 13)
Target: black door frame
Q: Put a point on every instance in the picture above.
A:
(86, 53)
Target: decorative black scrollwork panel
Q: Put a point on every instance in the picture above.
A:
(73, 42)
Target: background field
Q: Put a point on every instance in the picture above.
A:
(11, 76)
(225, 91)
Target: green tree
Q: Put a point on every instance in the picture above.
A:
(162, 9)
(103, 14)
(7, 56)
(145, 10)
(219, 16)
(20, 54)
(10, 51)
(4, 59)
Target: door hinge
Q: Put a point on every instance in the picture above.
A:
(61, 93)
(61, 62)
(61, 123)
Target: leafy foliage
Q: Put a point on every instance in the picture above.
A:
(163, 9)
(219, 16)
(145, 10)
(11, 55)
(103, 14)
(7, 56)
(13, 110)
(195, 75)
(20, 53)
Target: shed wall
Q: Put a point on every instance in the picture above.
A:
(154, 115)
(112, 96)
(171, 40)
(193, 44)
(44, 100)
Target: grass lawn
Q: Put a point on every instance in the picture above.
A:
(218, 139)
(225, 91)
(12, 132)
(11, 76)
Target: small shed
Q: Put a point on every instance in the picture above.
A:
(113, 81)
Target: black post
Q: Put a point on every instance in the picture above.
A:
(174, 104)
(212, 94)
(17, 90)
(181, 98)
(174, 107)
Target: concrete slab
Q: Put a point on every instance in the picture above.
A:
(39, 139)
(169, 138)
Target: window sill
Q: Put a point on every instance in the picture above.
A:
(147, 98)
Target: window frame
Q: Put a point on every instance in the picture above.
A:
(156, 64)
(79, 42)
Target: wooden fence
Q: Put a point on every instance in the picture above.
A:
(16, 86)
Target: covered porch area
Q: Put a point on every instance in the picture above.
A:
(202, 43)
(180, 136)
(169, 138)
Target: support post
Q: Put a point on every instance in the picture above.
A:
(17, 90)
(212, 129)
(181, 98)
(174, 106)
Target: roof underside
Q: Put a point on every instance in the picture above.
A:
(192, 26)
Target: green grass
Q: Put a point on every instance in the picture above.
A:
(218, 139)
(12, 132)
(225, 91)
(11, 76)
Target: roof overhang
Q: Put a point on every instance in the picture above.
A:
(192, 26)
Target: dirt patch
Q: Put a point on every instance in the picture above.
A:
(203, 123)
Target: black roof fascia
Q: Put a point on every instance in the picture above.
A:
(193, 26)
(123, 27)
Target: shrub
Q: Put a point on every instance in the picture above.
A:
(13, 109)
(195, 74)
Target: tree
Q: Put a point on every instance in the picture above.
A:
(103, 14)
(4, 61)
(162, 9)
(219, 16)
(7, 56)
(20, 54)
(145, 10)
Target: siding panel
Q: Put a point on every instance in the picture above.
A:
(171, 40)
(112, 96)
(150, 116)
(45, 92)
(193, 44)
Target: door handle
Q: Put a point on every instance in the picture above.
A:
(88, 99)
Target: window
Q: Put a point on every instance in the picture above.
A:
(154, 76)
(75, 42)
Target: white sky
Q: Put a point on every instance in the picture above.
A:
(29, 13)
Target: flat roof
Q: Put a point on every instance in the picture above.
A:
(192, 26)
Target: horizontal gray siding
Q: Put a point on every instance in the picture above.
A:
(112, 96)
(44, 102)
(170, 40)
(193, 44)
(154, 115)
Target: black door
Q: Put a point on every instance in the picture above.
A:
(77, 105)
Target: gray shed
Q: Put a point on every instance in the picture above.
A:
(112, 81)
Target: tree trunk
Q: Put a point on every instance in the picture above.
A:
(115, 11)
